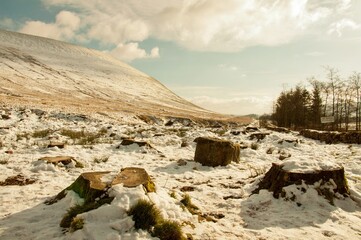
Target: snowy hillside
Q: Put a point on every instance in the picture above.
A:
(53, 74)
(222, 194)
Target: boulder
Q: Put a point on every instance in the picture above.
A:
(258, 136)
(128, 141)
(216, 152)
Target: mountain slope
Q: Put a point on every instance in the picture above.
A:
(44, 72)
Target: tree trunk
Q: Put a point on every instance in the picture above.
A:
(277, 178)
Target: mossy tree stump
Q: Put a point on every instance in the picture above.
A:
(277, 178)
(216, 152)
(93, 188)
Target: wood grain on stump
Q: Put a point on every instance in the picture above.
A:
(277, 178)
(58, 159)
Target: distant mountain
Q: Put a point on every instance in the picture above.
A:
(42, 72)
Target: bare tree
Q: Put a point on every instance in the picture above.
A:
(355, 80)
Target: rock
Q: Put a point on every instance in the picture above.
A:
(333, 137)
(127, 142)
(258, 136)
(278, 129)
(58, 159)
(216, 152)
(9, 151)
(187, 189)
(184, 144)
(283, 156)
(235, 133)
(278, 177)
(56, 144)
(133, 177)
(18, 180)
(252, 129)
(5, 116)
(181, 162)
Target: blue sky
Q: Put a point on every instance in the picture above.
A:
(229, 56)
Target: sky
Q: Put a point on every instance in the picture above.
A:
(227, 56)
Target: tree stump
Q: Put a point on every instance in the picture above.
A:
(216, 152)
(278, 177)
(92, 185)
(58, 159)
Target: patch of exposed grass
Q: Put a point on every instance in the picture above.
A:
(82, 137)
(4, 160)
(21, 136)
(168, 230)
(42, 133)
(187, 203)
(254, 146)
(76, 224)
(77, 209)
(145, 215)
(101, 159)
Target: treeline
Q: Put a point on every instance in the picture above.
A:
(336, 98)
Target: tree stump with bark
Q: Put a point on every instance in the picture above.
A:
(277, 178)
(216, 152)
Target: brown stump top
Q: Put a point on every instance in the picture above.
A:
(131, 177)
(55, 160)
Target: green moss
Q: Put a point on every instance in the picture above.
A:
(168, 230)
(145, 215)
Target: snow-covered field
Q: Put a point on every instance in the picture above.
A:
(221, 193)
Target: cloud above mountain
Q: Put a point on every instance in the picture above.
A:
(199, 25)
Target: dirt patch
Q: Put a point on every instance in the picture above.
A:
(19, 180)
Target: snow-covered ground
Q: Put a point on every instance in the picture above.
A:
(221, 192)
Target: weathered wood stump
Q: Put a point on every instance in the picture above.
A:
(216, 152)
(58, 159)
(278, 177)
(91, 185)
(93, 188)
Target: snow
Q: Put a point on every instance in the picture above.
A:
(38, 71)
(217, 190)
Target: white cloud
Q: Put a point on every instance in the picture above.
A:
(228, 67)
(341, 25)
(204, 25)
(236, 105)
(315, 54)
(130, 51)
(64, 28)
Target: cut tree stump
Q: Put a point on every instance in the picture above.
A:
(277, 178)
(58, 159)
(216, 152)
(92, 185)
